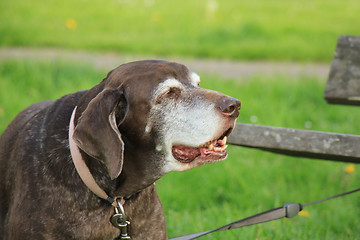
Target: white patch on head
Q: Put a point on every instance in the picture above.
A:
(167, 84)
(191, 125)
(162, 87)
(195, 79)
(190, 120)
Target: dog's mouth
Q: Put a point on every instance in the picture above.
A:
(213, 150)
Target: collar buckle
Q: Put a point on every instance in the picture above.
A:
(119, 221)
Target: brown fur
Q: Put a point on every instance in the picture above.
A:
(41, 194)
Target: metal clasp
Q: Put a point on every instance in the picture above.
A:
(119, 221)
(292, 209)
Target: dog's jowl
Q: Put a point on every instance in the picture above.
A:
(67, 164)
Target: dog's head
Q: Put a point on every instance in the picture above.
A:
(156, 112)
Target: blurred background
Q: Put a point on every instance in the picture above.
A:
(272, 55)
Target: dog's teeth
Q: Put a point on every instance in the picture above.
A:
(224, 140)
(211, 147)
(220, 149)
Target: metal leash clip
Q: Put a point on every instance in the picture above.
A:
(119, 221)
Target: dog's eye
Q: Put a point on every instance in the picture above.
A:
(172, 93)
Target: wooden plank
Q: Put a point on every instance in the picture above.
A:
(300, 143)
(343, 86)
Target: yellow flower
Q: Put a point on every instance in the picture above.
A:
(156, 17)
(304, 213)
(350, 168)
(71, 24)
(211, 9)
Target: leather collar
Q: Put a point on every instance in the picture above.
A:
(83, 170)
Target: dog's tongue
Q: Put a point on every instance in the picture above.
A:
(214, 151)
(185, 154)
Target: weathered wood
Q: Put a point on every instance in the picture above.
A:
(343, 86)
(300, 143)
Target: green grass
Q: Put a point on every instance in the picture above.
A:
(249, 181)
(23, 83)
(260, 29)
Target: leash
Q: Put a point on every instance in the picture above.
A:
(288, 210)
(118, 220)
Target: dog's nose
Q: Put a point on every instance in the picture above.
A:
(230, 106)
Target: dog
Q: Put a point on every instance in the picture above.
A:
(145, 119)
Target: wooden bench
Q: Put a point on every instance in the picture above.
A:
(343, 87)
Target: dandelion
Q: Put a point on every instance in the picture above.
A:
(253, 119)
(350, 168)
(71, 24)
(156, 17)
(308, 124)
(304, 213)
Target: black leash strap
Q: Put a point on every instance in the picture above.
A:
(328, 198)
(287, 210)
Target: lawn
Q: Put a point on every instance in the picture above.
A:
(249, 181)
(247, 30)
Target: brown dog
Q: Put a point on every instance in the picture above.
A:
(142, 121)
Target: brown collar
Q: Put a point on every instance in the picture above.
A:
(84, 171)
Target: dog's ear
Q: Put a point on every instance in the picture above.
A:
(97, 133)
